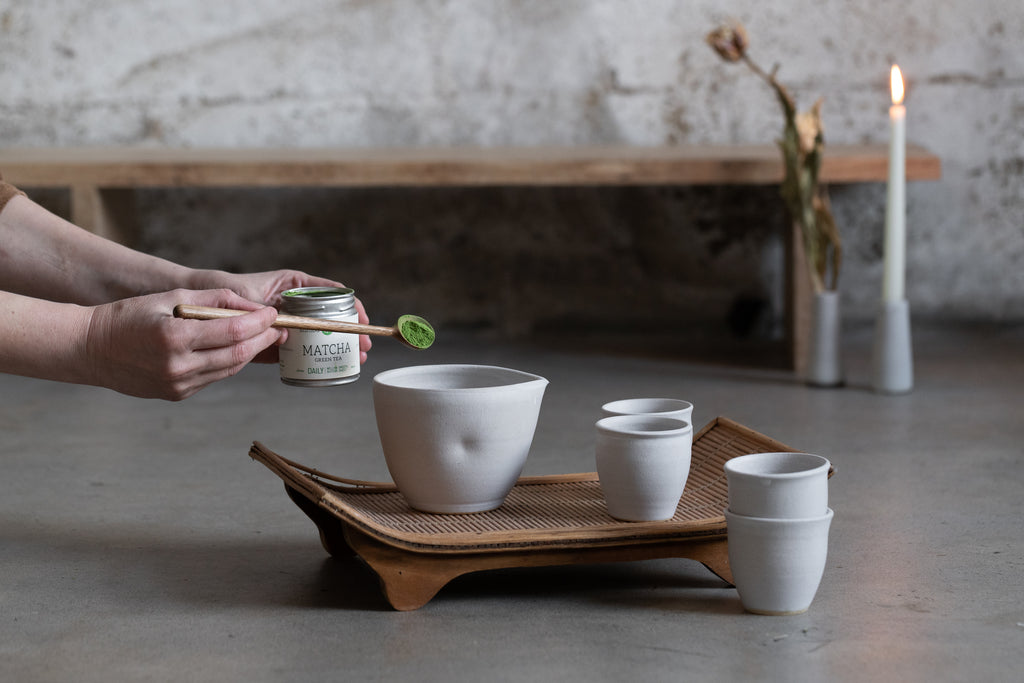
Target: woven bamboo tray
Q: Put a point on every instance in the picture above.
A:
(545, 521)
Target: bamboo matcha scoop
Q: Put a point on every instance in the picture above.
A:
(411, 330)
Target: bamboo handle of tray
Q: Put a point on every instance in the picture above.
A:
(284, 320)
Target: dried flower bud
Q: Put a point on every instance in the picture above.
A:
(729, 41)
(808, 128)
(806, 131)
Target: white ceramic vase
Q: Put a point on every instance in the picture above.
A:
(456, 437)
(825, 353)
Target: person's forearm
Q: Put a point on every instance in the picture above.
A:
(44, 256)
(44, 339)
(135, 346)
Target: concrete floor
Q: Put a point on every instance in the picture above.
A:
(139, 542)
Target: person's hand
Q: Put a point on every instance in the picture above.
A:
(266, 288)
(136, 346)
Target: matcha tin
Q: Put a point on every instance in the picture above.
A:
(310, 358)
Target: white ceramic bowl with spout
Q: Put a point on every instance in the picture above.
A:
(456, 437)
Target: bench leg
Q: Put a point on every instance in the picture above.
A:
(107, 212)
(799, 296)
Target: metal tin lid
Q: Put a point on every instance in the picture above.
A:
(318, 301)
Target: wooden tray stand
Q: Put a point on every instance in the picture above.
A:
(545, 521)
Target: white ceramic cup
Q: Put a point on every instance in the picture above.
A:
(662, 407)
(643, 462)
(777, 564)
(778, 485)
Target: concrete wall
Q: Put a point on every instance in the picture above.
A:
(387, 72)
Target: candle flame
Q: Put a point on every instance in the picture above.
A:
(896, 81)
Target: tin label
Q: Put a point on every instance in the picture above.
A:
(316, 356)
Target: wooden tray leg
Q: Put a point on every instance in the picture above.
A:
(714, 555)
(408, 580)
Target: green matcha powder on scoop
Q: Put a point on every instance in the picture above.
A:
(416, 331)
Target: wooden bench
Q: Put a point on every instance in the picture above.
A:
(100, 180)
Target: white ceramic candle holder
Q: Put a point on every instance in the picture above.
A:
(893, 362)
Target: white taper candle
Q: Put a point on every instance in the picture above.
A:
(895, 246)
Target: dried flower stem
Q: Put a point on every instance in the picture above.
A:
(769, 77)
(802, 147)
